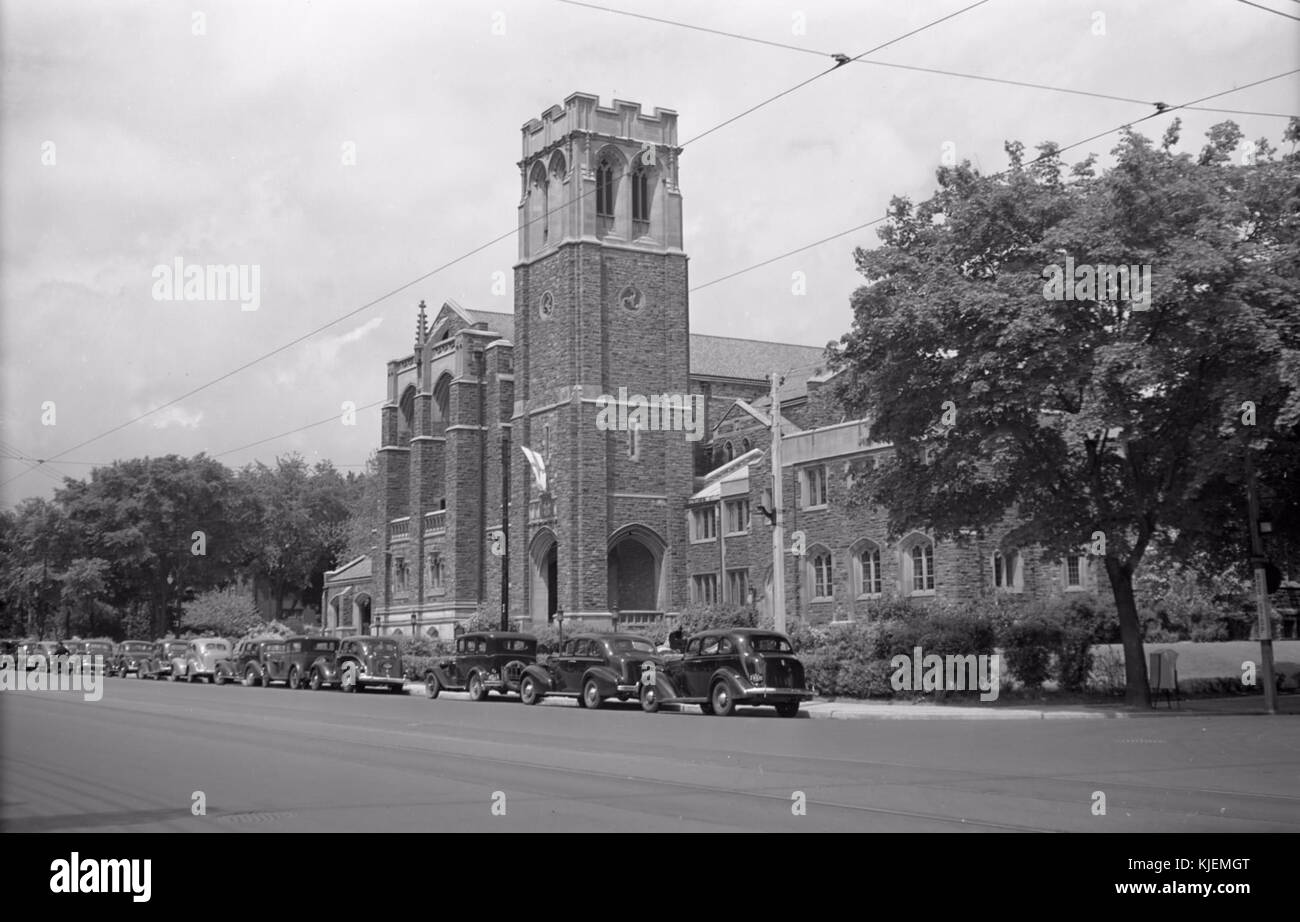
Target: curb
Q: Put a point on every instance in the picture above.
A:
(889, 712)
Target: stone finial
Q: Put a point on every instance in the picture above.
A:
(421, 327)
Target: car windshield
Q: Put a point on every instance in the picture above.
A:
(769, 643)
(274, 648)
(322, 646)
(631, 645)
(518, 645)
(213, 646)
(178, 647)
(99, 647)
(135, 647)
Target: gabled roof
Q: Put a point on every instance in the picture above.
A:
(735, 469)
(496, 322)
(738, 407)
(357, 568)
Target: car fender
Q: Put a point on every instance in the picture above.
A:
(439, 670)
(606, 679)
(540, 674)
(329, 669)
(737, 686)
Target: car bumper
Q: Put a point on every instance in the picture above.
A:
(628, 689)
(382, 680)
(774, 695)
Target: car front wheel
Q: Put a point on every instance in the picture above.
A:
(649, 699)
(528, 691)
(476, 690)
(431, 686)
(316, 681)
(295, 680)
(591, 695)
(723, 704)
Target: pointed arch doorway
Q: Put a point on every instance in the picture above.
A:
(635, 575)
(543, 565)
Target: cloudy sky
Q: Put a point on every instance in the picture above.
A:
(132, 134)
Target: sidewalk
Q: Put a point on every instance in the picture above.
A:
(1200, 707)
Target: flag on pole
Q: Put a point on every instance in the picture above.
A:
(538, 464)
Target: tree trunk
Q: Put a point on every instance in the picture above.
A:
(1136, 691)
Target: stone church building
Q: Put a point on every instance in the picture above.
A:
(494, 456)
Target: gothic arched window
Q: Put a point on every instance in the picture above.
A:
(640, 194)
(605, 188)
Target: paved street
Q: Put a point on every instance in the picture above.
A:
(279, 760)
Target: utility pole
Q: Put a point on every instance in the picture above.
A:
(778, 503)
(505, 532)
(1257, 560)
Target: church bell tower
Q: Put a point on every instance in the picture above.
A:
(600, 306)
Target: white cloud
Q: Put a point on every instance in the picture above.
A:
(177, 416)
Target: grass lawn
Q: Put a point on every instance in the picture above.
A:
(1221, 659)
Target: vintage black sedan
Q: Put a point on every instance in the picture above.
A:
(304, 662)
(721, 669)
(134, 657)
(365, 661)
(484, 661)
(160, 665)
(591, 668)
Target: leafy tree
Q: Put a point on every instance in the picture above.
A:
(166, 525)
(302, 524)
(33, 551)
(229, 612)
(364, 524)
(1101, 425)
(82, 588)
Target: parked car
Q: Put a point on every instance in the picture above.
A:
(199, 661)
(484, 661)
(591, 668)
(365, 662)
(48, 649)
(87, 650)
(165, 652)
(305, 662)
(134, 657)
(721, 669)
(248, 663)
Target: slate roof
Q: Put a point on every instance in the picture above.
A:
(718, 356)
(496, 322)
(730, 357)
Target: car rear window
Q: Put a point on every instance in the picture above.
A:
(322, 646)
(769, 643)
(631, 645)
(518, 645)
